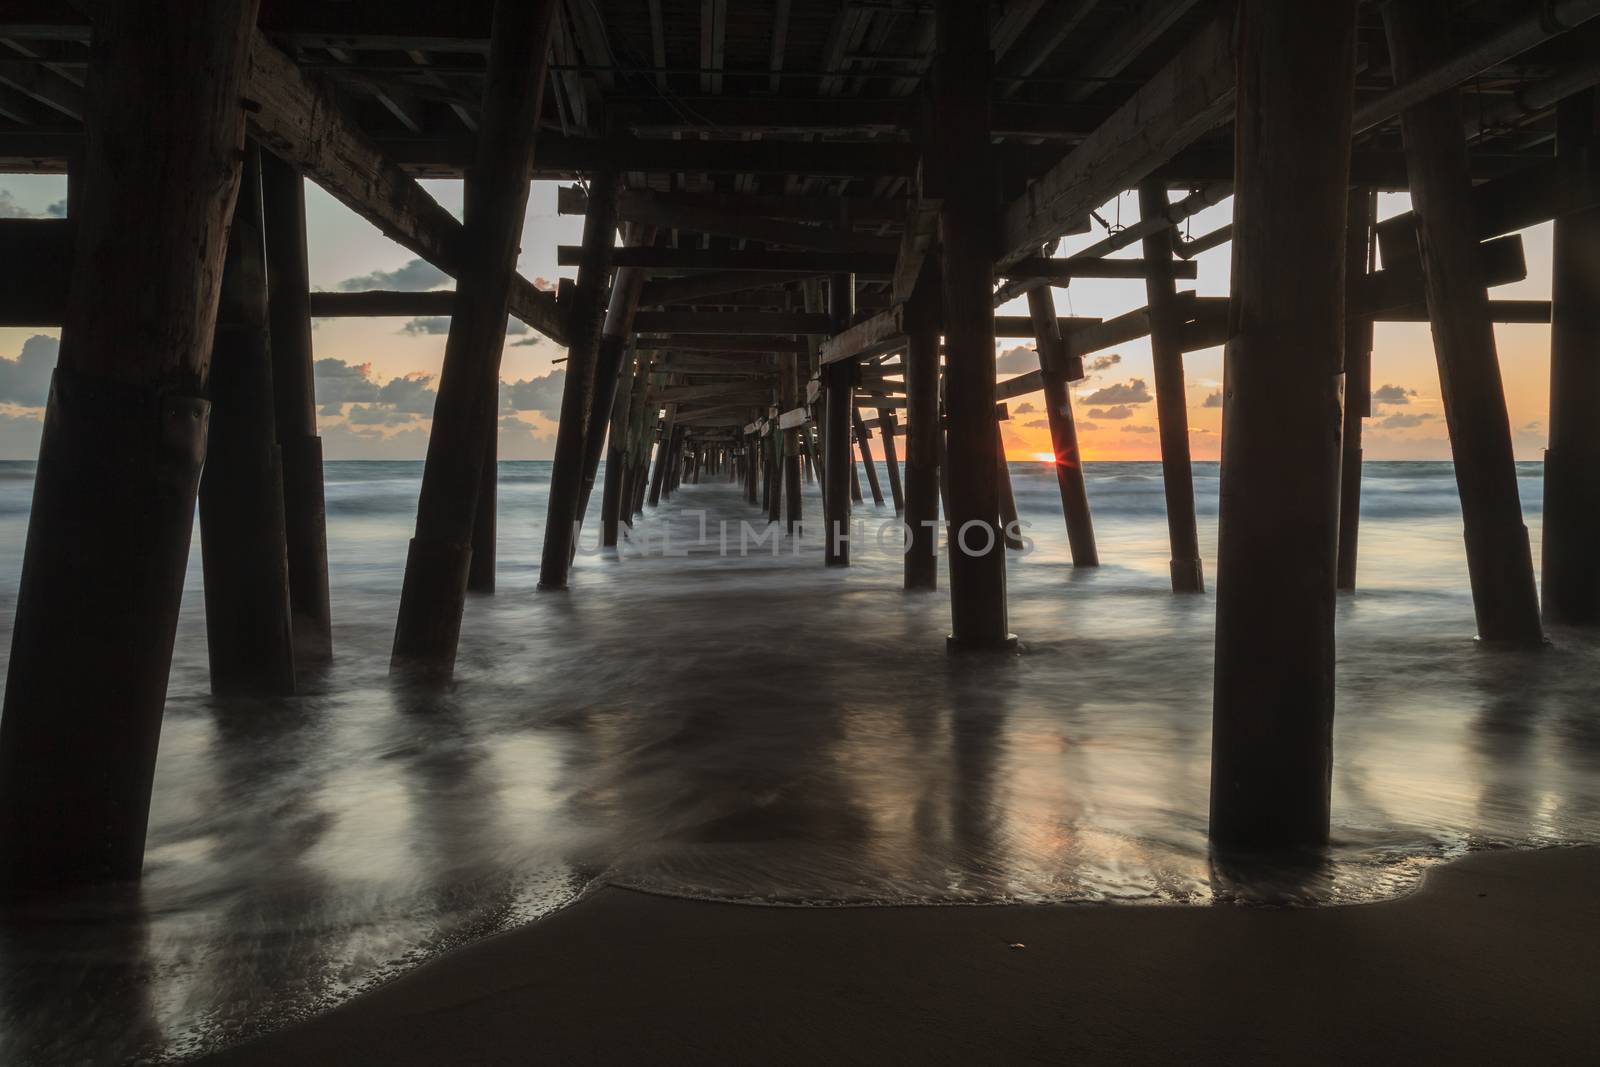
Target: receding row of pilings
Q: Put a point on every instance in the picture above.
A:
(160, 292)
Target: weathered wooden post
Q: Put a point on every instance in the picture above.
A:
(1499, 561)
(789, 392)
(1054, 371)
(481, 563)
(1362, 211)
(1571, 556)
(840, 401)
(1272, 716)
(249, 636)
(124, 439)
(960, 163)
(1010, 522)
(888, 426)
(1172, 405)
(466, 410)
(294, 391)
(864, 446)
(924, 435)
(577, 395)
(619, 485)
(663, 458)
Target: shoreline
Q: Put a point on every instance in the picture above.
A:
(1495, 956)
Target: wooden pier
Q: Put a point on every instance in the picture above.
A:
(801, 219)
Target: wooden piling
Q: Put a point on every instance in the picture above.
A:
(1361, 210)
(466, 409)
(889, 426)
(864, 446)
(790, 389)
(295, 410)
(1063, 428)
(1010, 521)
(923, 431)
(1172, 404)
(1571, 554)
(486, 519)
(961, 172)
(577, 395)
(1272, 710)
(840, 401)
(1499, 562)
(249, 635)
(620, 463)
(123, 442)
(663, 459)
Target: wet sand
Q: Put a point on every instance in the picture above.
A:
(1495, 959)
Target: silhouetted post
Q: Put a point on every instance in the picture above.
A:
(790, 390)
(1362, 211)
(855, 474)
(1010, 522)
(123, 443)
(864, 446)
(609, 404)
(486, 520)
(663, 459)
(776, 474)
(465, 412)
(1172, 405)
(1272, 716)
(840, 401)
(923, 432)
(1063, 429)
(577, 395)
(283, 202)
(619, 457)
(1499, 562)
(959, 164)
(1572, 462)
(888, 426)
(248, 633)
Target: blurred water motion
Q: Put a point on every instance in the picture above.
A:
(761, 729)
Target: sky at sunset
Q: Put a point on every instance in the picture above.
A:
(375, 377)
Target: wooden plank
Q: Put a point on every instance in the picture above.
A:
(881, 332)
(729, 322)
(792, 419)
(703, 343)
(728, 259)
(876, 210)
(382, 303)
(1065, 269)
(705, 288)
(1190, 96)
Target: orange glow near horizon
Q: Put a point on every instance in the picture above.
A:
(1045, 457)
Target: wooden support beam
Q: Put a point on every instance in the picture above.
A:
(828, 210)
(294, 392)
(957, 170)
(705, 288)
(838, 409)
(1500, 262)
(729, 259)
(880, 333)
(123, 443)
(864, 447)
(249, 635)
(1190, 96)
(729, 322)
(432, 598)
(728, 217)
(790, 386)
(888, 426)
(1062, 270)
(383, 303)
(577, 396)
(1273, 697)
(1571, 562)
(1499, 562)
(1166, 314)
(923, 430)
(730, 343)
(1056, 369)
(1361, 211)
(293, 116)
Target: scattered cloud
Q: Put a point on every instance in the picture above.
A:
(435, 324)
(25, 381)
(1138, 429)
(1114, 413)
(542, 395)
(529, 341)
(1100, 363)
(10, 209)
(414, 394)
(339, 383)
(1017, 360)
(1133, 391)
(1212, 400)
(1036, 424)
(416, 276)
(1024, 408)
(378, 415)
(1401, 420)
(1088, 426)
(1392, 394)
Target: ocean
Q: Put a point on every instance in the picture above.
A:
(698, 719)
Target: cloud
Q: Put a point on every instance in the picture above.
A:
(416, 276)
(1024, 408)
(10, 209)
(378, 415)
(439, 325)
(412, 394)
(1212, 400)
(1392, 394)
(529, 341)
(1100, 363)
(1403, 421)
(1138, 429)
(1017, 360)
(1088, 426)
(1118, 412)
(339, 383)
(57, 210)
(1036, 424)
(535, 394)
(1134, 391)
(25, 381)
(19, 435)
